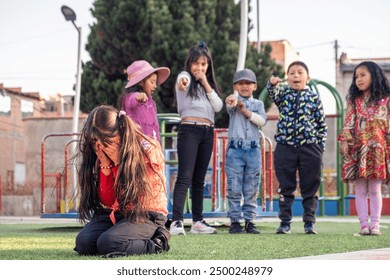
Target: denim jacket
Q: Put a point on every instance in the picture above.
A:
(240, 127)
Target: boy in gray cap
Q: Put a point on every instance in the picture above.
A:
(243, 157)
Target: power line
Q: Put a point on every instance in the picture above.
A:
(315, 45)
(34, 78)
(353, 46)
(32, 38)
(36, 72)
(346, 45)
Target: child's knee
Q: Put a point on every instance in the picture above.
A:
(85, 245)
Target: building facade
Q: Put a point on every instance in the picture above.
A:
(25, 119)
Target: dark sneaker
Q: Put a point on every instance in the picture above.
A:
(115, 255)
(284, 228)
(251, 228)
(236, 228)
(160, 239)
(309, 228)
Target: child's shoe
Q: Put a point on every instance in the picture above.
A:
(251, 228)
(364, 231)
(177, 228)
(309, 228)
(236, 228)
(201, 227)
(160, 239)
(284, 228)
(375, 232)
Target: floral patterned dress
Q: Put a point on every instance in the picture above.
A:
(365, 129)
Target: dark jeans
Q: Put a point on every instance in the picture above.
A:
(307, 160)
(194, 148)
(101, 237)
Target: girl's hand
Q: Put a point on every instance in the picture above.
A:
(344, 148)
(112, 150)
(142, 97)
(103, 158)
(183, 83)
(275, 80)
(200, 77)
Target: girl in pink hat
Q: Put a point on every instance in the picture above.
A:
(137, 100)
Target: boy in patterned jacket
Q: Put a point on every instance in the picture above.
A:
(300, 143)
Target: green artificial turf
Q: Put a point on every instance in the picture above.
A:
(56, 242)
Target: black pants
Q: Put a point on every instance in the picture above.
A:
(194, 148)
(101, 237)
(307, 160)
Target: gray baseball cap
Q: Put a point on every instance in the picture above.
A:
(245, 74)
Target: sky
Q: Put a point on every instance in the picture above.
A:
(38, 48)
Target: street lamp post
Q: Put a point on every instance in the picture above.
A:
(243, 35)
(243, 39)
(70, 15)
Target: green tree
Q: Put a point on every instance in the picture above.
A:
(264, 67)
(161, 32)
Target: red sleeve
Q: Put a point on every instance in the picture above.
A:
(106, 187)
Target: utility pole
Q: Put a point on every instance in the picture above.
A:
(258, 27)
(336, 55)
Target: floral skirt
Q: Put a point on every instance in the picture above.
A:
(366, 162)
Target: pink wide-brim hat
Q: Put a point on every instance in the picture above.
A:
(140, 69)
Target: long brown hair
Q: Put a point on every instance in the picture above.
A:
(131, 184)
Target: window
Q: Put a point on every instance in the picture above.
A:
(20, 174)
(27, 108)
(5, 105)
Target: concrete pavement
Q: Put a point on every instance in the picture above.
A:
(373, 254)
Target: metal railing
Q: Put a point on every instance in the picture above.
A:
(43, 173)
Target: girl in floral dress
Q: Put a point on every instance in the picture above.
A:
(364, 142)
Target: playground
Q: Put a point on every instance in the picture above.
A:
(51, 235)
(58, 194)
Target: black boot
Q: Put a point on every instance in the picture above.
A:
(160, 239)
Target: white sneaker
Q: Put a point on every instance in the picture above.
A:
(201, 227)
(375, 232)
(364, 231)
(177, 228)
